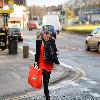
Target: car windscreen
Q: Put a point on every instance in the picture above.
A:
(13, 30)
(98, 30)
(48, 26)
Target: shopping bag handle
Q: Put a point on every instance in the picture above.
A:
(35, 65)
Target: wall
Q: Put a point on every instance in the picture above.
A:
(21, 13)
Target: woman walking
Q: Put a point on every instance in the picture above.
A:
(45, 57)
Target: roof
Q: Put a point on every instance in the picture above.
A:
(15, 19)
(19, 2)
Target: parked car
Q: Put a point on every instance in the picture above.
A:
(50, 29)
(16, 31)
(93, 40)
(32, 25)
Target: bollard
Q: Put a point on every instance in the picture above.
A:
(25, 51)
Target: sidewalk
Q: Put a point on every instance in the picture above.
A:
(14, 72)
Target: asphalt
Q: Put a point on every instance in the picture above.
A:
(10, 63)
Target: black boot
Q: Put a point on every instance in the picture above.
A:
(48, 98)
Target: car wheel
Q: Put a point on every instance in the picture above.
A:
(2, 49)
(87, 46)
(58, 32)
(99, 47)
(55, 36)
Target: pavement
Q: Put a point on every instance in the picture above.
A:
(14, 71)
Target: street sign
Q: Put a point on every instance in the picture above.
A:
(11, 2)
(62, 16)
(6, 11)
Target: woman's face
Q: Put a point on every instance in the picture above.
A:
(46, 37)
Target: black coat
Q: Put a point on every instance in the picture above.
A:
(50, 52)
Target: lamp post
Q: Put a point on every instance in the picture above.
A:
(80, 14)
(23, 19)
(3, 3)
(85, 9)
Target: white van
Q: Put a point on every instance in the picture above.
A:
(52, 20)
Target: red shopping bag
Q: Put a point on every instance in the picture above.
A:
(35, 77)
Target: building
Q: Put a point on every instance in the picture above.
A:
(89, 15)
(19, 16)
(58, 11)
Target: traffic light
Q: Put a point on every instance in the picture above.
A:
(62, 12)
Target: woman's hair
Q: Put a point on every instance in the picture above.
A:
(44, 34)
(38, 35)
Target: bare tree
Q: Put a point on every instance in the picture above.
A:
(84, 3)
(37, 11)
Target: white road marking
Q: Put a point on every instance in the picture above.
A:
(84, 89)
(65, 65)
(73, 68)
(31, 52)
(63, 82)
(20, 47)
(28, 95)
(15, 75)
(61, 50)
(74, 84)
(85, 78)
(93, 82)
(80, 50)
(95, 95)
(89, 80)
(30, 43)
(73, 48)
(64, 39)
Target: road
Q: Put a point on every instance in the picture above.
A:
(72, 53)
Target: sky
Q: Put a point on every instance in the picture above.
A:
(45, 2)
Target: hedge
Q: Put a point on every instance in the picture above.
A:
(80, 29)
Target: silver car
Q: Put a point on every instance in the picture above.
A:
(93, 40)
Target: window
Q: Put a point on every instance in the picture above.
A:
(93, 32)
(98, 30)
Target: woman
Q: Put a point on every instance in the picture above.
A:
(46, 56)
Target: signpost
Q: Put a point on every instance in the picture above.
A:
(62, 16)
(1, 3)
(10, 3)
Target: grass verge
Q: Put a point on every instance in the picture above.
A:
(85, 29)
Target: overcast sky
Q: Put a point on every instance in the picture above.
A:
(45, 2)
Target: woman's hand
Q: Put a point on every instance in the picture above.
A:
(35, 64)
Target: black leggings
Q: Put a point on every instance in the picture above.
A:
(46, 77)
